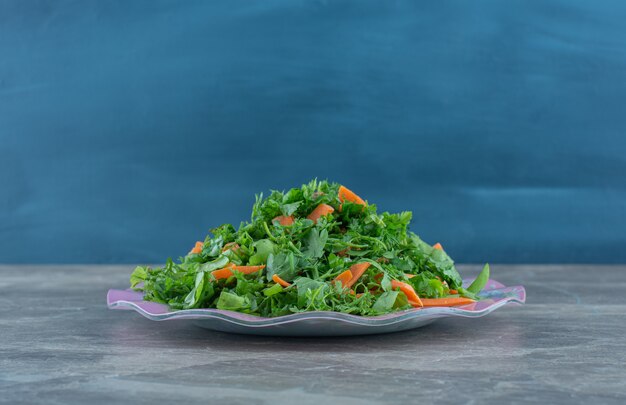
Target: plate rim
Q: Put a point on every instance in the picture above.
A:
(247, 320)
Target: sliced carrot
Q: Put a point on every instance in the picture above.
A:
(320, 211)
(408, 290)
(352, 292)
(438, 246)
(357, 271)
(454, 292)
(280, 281)
(344, 278)
(342, 252)
(446, 302)
(283, 220)
(249, 269)
(346, 194)
(231, 246)
(223, 272)
(197, 248)
(228, 271)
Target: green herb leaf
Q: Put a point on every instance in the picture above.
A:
(232, 302)
(385, 283)
(385, 301)
(314, 243)
(264, 248)
(427, 285)
(192, 298)
(305, 287)
(283, 264)
(289, 209)
(480, 282)
(138, 276)
(218, 263)
(402, 301)
(273, 290)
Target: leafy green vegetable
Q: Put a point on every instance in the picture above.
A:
(283, 264)
(314, 242)
(232, 302)
(427, 285)
(385, 283)
(309, 255)
(201, 291)
(214, 265)
(385, 301)
(480, 282)
(310, 292)
(288, 209)
(264, 248)
(401, 301)
(138, 276)
(273, 290)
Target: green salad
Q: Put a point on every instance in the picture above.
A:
(319, 247)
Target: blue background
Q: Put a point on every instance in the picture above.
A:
(129, 128)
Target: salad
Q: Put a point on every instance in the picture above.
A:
(319, 247)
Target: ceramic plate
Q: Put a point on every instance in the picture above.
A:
(318, 323)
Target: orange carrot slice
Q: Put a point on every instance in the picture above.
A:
(344, 278)
(197, 248)
(280, 281)
(408, 290)
(228, 271)
(320, 211)
(346, 194)
(231, 246)
(454, 292)
(438, 246)
(342, 252)
(283, 220)
(351, 292)
(357, 271)
(446, 302)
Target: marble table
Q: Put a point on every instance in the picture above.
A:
(60, 344)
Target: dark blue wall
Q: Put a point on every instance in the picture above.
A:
(129, 128)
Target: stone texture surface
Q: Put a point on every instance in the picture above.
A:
(60, 344)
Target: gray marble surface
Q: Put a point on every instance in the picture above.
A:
(60, 344)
